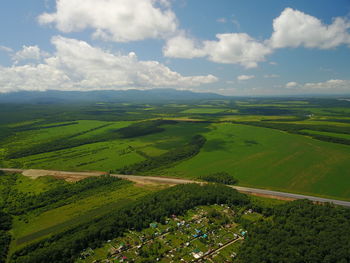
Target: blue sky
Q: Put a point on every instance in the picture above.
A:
(232, 47)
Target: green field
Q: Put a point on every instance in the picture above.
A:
(271, 159)
(292, 145)
(330, 134)
(203, 110)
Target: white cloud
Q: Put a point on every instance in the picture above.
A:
(245, 77)
(292, 84)
(28, 53)
(181, 46)
(114, 20)
(271, 76)
(234, 48)
(6, 49)
(222, 20)
(329, 86)
(76, 65)
(332, 84)
(294, 28)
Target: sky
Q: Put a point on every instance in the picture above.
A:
(231, 47)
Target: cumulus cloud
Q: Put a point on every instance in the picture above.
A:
(294, 28)
(183, 47)
(236, 48)
(114, 20)
(76, 65)
(332, 84)
(245, 77)
(233, 48)
(28, 53)
(329, 86)
(291, 84)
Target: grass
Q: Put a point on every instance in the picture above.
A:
(330, 134)
(258, 157)
(33, 227)
(100, 156)
(271, 159)
(203, 110)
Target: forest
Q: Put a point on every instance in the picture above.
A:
(299, 232)
(66, 246)
(219, 177)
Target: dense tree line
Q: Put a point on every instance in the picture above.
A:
(35, 126)
(65, 247)
(299, 232)
(143, 128)
(5, 237)
(178, 154)
(133, 130)
(297, 129)
(17, 203)
(220, 177)
(265, 111)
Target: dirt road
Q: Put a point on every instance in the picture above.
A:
(76, 176)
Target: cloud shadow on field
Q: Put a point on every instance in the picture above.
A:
(216, 145)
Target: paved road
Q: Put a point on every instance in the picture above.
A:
(172, 181)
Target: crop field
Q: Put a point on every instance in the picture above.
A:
(331, 134)
(203, 110)
(295, 145)
(271, 159)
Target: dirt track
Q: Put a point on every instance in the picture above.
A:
(76, 176)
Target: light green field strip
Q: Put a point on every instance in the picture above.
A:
(203, 110)
(272, 159)
(56, 220)
(330, 134)
(26, 138)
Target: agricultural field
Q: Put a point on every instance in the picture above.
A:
(294, 145)
(271, 159)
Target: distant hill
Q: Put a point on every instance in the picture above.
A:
(154, 95)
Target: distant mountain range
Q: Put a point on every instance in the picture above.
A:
(139, 96)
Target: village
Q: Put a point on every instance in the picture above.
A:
(204, 234)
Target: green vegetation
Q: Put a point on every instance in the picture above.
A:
(220, 177)
(291, 144)
(299, 232)
(178, 154)
(5, 237)
(143, 128)
(17, 203)
(203, 110)
(200, 231)
(65, 247)
(272, 159)
(47, 206)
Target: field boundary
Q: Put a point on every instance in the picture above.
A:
(174, 181)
